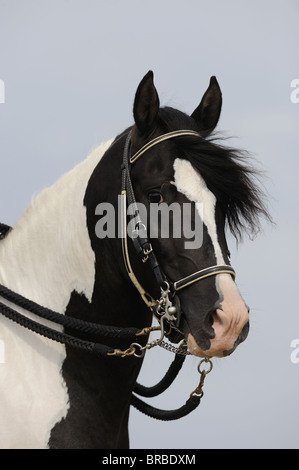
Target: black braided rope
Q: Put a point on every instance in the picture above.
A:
(101, 350)
(165, 382)
(103, 331)
(156, 413)
(166, 415)
(63, 338)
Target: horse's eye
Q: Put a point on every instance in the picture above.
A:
(155, 197)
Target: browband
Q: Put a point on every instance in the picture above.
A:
(162, 138)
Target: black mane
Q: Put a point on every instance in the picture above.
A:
(226, 172)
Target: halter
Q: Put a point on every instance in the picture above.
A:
(164, 306)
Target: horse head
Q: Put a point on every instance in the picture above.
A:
(194, 174)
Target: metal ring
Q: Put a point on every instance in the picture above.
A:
(206, 360)
(166, 284)
(141, 348)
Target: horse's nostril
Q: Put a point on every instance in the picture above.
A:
(208, 324)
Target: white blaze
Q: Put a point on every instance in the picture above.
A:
(228, 321)
(190, 183)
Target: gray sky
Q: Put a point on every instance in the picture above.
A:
(71, 68)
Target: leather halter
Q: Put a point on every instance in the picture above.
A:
(141, 243)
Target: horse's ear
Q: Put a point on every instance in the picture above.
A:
(146, 105)
(208, 112)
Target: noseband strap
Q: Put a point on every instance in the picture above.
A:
(199, 275)
(141, 243)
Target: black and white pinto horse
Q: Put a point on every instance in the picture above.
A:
(54, 396)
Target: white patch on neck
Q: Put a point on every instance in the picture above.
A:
(46, 256)
(190, 183)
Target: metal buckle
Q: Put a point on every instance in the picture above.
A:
(146, 253)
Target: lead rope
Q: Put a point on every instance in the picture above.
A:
(181, 352)
(102, 350)
(190, 405)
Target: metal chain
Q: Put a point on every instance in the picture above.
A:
(174, 349)
(167, 312)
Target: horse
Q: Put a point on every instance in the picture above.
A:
(59, 397)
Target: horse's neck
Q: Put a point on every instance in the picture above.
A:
(48, 254)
